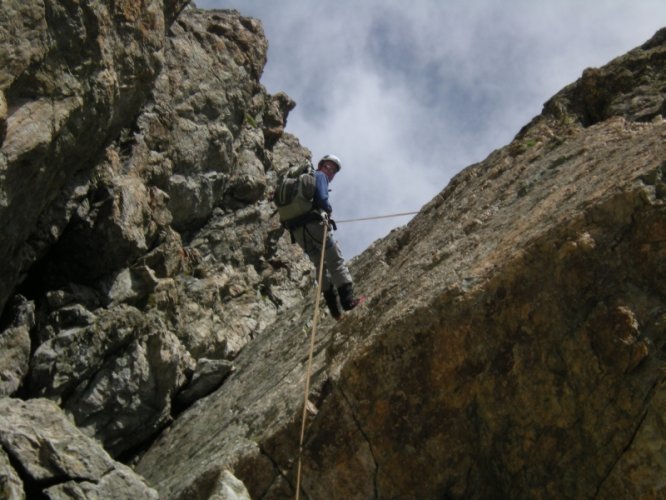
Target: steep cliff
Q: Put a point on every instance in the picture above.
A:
(140, 251)
(512, 345)
(155, 314)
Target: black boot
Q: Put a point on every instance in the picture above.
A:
(347, 299)
(331, 299)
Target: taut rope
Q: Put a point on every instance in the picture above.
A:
(376, 217)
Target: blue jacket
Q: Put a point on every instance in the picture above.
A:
(321, 193)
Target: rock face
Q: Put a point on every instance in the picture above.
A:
(72, 75)
(140, 251)
(512, 345)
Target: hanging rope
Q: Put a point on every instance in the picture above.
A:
(313, 333)
(376, 217)
(315, 320)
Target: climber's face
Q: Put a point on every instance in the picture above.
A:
(329, 168)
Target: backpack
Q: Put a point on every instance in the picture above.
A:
(295, 192)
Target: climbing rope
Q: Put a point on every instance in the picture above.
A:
(313, 333)
(376, 217)
(315, 320)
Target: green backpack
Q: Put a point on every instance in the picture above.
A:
(295, 192)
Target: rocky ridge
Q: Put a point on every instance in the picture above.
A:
(153, 307)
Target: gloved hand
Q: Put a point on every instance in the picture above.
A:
(332, 225)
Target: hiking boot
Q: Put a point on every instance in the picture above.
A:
(347, 299)
(331, 299)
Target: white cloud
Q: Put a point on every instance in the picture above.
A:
(409, 93)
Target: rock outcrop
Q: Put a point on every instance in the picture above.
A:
(154, 313)
(140, 251)
(56, 459)
(72, 76)
(511, 346)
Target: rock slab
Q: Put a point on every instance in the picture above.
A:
(50, 456)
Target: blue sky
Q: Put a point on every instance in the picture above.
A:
(407, 94)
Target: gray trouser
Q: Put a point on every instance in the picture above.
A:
(309, 237)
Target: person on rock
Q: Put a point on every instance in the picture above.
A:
(308, 232)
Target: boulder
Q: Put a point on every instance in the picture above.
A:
(15, 347)
(116, 374)
(56, 459)
(11, 486)
(129, 399)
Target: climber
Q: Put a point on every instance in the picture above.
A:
(308, 231)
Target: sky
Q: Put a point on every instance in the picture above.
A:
(407, 94)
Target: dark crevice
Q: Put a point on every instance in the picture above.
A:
(8, 316)
(37, 281)
(375, 478)
(278, 471)
(632, 437)
(133, 454)
(34, 489)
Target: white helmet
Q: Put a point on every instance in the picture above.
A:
(331, 158)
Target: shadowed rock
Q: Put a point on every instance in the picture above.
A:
(53, 455)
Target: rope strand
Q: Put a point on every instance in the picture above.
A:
(315, 320)
(376, 217)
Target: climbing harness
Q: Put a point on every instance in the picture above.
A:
(315, 320)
